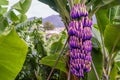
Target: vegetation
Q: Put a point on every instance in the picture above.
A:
(26, 53)
(48, 26)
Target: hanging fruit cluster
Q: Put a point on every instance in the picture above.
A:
(80, 44)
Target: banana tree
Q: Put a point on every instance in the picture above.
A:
(105, 40)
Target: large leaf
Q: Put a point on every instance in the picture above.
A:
(51, 59)
(26, 5)
(114, 72)
(112, 38)
(17, 6)
(22, 6)
(112, 12)
(51, 3)
(3, 2)
(99, 5)
(105, 3)
(56, 47)
(102, 19)
(12, 55)
(111, 3)
(61, 7)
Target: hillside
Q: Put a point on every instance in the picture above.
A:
(55, 20)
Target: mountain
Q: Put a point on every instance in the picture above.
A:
(55, 20)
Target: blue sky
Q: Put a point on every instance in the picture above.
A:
(37, 9)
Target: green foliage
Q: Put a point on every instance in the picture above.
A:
(51, 59)
(109, 33)
(12, 48)
(114, 72)
(117, 58)
(102, 22)
(106, 1)
(22, 17)
(56, 47)
(48, 26)
(105, 35)
(96, 54)
(12, 55)
(76, 1)
(117, 65)
(96, 40)
(112, 38)
(116, 15)
(112, 3)
(3, 24)
(28, 30)
(3, 2)
(28, 24)
(2, 10)
(22, 6)
(40, 57)
(12, 16)
(97, 60)
(39, 47)
(39, 43)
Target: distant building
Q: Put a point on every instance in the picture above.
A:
(55, 31)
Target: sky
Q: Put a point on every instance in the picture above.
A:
(37, 9)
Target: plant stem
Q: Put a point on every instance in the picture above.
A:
(93, 12)
(83, 1)
(105, 57)
(95, 71)
(111, 60)
(70, 3)
(104, 49)
(57, 59)
(68, 75)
